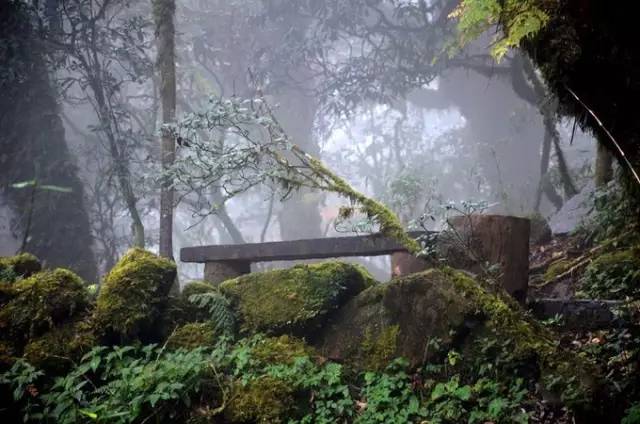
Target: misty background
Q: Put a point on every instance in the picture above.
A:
(367, 87)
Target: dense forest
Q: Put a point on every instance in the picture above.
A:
(319, 211)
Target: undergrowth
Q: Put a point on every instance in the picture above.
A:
(138, 384)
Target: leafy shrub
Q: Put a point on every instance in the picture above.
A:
(613, 275)
(632, 415)
(119, 385)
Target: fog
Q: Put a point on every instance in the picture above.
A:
(385, 107)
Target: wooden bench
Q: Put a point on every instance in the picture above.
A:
(502, 239)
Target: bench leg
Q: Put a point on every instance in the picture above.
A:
(217, 272)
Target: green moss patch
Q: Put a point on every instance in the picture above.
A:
(263, 400)
(192, 335)
(522, 343)
(294, 300)
(57, 350)
(42, 301)
(22, 265)
(556, 269)
(133, 295)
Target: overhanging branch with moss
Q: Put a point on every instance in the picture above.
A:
(237, 144)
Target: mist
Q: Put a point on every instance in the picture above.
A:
(460, 130)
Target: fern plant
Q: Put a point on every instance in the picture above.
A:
(518, 19)
(219, 309)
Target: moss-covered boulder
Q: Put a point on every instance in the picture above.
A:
(57, 350)
(22, 265)
(192, 335)
(266, 398)
(407, 316)
(191, 312)
(133, 296)
(295, 300)
(196, 287)
(263, 400)
(42, 301)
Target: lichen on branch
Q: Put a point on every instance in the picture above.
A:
(236, 144)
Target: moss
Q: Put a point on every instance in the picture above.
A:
(22, 265)
(57, 350)
(295, 299)
(187, 311)
(192, 335)
(134, 295)
(524, 341)
(629, 256)
(388, 222)
(196, 287)
(280, 350)
(378, 351)
(262, 400)
(556, 268)
(42, 301)
(7, 292)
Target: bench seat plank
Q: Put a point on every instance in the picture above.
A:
(331, 247)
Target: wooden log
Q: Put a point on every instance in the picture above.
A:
(219, 271)
(488, 240)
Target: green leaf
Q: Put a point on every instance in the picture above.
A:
(59, 189)
(89, 414)
(24, 184)
(496, 406)
(463, 393)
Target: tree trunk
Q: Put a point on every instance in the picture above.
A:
(32, 138)
(604, 166)
(300, 217)
(164, 12)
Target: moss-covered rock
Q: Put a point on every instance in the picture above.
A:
(418, 308)
(7, 292)
(196, 287)
(262, 400)
(41, 301)
(133, 296)
(22, 265)
(403, 318)
(57, 350)
(192, 335)
(189, 311)
(280, 350)
(294, 300)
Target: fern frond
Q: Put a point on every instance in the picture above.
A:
(219, 309)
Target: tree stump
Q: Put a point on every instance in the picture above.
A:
(478, 242)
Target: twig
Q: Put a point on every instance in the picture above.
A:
(606, 131)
